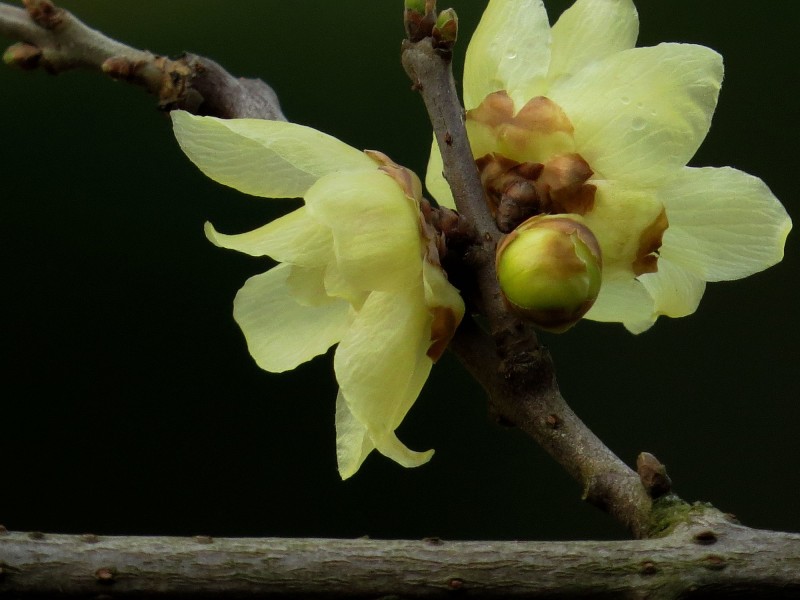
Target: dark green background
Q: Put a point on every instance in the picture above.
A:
(130, 404)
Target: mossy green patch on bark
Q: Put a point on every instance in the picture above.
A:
(669, 511)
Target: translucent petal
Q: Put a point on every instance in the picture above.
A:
(393, 448)
(375, 228)
(273, 159)
(440, 292)
(675, 291)
(510, 50)
(447, 309)
(353, 443)
(295, 238)
(624, 300)
(641, 114)
(280, 332)
(434, 179)
(307, 285)
(618, 219)
(723, 223)
(377, 360)
(419, 375)
(589, 31)
(338, 286)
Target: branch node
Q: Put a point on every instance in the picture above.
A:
(653, 475)
(553, 421)
(203, 539)
(118, 67)
(104, 575)
(705, 537)
(648, 567)
(433, 541)
(23, 56)
(456, 584)
(89, 538)
(45, 14)
(714, 562)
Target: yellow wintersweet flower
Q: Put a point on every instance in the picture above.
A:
(572, 119)
(358, 266)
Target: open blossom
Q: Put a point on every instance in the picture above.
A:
(358, 266)
(572, 119)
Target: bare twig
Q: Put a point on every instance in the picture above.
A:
(53, 39)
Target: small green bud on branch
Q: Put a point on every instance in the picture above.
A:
(445, 32)
(419, 18)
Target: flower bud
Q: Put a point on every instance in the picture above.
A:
(550, 269)
(419, 18)
(418, 6)
(24, 56)
(445, 31)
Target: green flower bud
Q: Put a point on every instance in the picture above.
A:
(418, 6)
(446, 29)
(550, 269)
(419, 18)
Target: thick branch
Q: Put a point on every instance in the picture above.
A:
(53, 39)
(704, 554)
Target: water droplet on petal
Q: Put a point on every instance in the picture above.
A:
(640, 105)
(625, 100)
(638, 124)
(511, 55)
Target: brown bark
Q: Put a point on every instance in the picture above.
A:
(706, 554)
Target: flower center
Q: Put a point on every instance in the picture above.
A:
(529, 165)
(517, 191)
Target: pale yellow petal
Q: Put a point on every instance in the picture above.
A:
(295, 238)
(439, 292)
(281, 333)
(619, 217)
(510, 50)
(589, 31)
(377, 361)
(337, 285)
(419, 374)
(273, 159)
(434, 179)
(624, 300)
(446, 307)
(675, 291)
(724, 224)
(307, 285)
(639, 115)
(375, 228)
(393, 448)
(353, 443)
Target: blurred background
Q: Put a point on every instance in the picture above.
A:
(131, 406)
